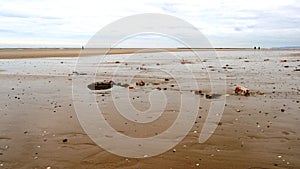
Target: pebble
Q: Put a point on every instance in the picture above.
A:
(1, 165)
(174, 150)
(197, 164)
(65, 140)
(48, 168)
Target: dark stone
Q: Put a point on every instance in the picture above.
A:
(198, 92)
(124, 85)
(212, 96)
(140, 83)
(65, 140)
(101, 85)
(77, 73)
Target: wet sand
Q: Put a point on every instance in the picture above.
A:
(70, 52)
(39, 127)
(15, 53)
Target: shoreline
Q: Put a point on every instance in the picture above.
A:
(19, 53)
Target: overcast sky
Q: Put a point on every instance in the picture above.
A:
(228, 23)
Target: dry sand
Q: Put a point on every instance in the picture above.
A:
(258, 132)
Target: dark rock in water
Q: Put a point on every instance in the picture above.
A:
(212, 96)
(297, 70)
(286, 66)
(101, 85)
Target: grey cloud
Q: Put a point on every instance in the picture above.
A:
(237, 29)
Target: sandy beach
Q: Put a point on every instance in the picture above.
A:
(15, 53)
(39, 127)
